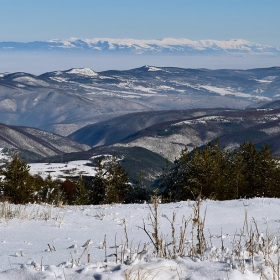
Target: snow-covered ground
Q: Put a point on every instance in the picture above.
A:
(62, 170)
(44, 242)
(3, 156)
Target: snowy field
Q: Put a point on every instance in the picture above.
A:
(62, 170)
(109, 241)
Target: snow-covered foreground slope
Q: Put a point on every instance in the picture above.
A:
(44, 242)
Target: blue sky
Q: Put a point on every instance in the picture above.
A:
(30, 20)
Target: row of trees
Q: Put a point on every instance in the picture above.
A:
(109, 185)
(221, 174)
(210, 171)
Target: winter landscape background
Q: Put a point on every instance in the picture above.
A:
(108, 102)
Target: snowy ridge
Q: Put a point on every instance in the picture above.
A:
(30, 81)
(141, 46)
(78, 96)
(82, 71)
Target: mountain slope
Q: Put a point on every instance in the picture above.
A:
(34, 143)
(64, 101)
(169, 132)
(128, 126)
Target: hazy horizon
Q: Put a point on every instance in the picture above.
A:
(39, 63)
(33, 20)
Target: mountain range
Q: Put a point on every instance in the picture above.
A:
(140, 46)
(64, 101)
(145, 115)
(167, 132)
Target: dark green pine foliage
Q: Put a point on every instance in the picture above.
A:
(82, 194)
(204, 170)
(236, 184)
(221, 174)
(110, 183)
(118, 188)
(138, 191)
(17, 186)
(98, 190)
(260, 169)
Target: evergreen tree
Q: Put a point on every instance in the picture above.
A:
(110, 183)
(236, 184)
(172, 183)
(222, 174)
(118, 188)
(202, 171)
(138, 191)
(82, 194)
(98, 190)
(17, 186)
(260, 171)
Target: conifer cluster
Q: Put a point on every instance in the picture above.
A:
(217, 173)
(109, 185)
(209, 171)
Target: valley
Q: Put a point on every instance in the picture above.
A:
(148, 114)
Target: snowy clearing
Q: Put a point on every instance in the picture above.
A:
(73, 242)
(62, 170)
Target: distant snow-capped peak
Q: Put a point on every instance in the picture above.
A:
(167, 44)
(82, 71)
(152, 68)
(141, 46)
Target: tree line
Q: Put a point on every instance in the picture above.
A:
(109, 185)
(222, 174)
(209, 171)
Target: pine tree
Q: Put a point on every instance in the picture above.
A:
(223, 174)
(201, 171)
(236, 184)
(139, 192)
(82, 194)
(110, 183)
(118, 188)
(98, 190)
(260, 171)
(17, 186)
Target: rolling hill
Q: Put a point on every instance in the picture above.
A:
(31, 143)
(167, 133)
(64, 101)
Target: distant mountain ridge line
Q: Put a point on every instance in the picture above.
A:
(142, 46)
(64, 101)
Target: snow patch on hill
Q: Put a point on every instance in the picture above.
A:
(8, 104)
(30, 81)
(62, 170)
(152, 68)
(83, 71)
(3, 156)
